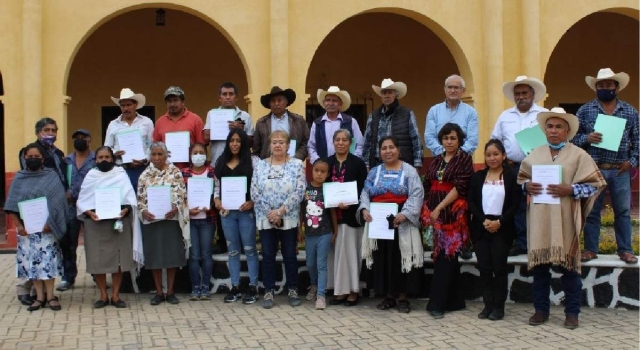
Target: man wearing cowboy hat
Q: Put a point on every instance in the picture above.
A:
(392, 119)
(129, 120)
(280, 119)
(554, 239)
(524, 92)
(614, 165)
(335, 102)
(452, 110)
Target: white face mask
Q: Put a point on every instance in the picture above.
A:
(198, 159)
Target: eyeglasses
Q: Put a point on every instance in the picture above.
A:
(453, 87)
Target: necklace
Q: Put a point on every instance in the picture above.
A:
(440, 171)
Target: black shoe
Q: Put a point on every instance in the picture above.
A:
(233, 296)
(485, 312)
(436, 314)
(336, 301)
(348, 302)
(35, 306)
(172, 299)
(466, 254)
(157, 299)
(515, 251)
(25, 299)
(99, 304)
(119, 304)
(496, 314)
(251, 296)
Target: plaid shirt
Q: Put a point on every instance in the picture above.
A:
(187, 173)
(628, 150)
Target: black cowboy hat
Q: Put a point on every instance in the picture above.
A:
(289, 94)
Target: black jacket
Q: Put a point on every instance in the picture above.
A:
(355, 170)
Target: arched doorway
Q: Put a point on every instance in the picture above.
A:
(360, 52)
(131, 50)
(599, 40)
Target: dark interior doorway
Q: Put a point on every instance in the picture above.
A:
(110, 113)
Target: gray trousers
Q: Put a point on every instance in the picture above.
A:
(25, 287)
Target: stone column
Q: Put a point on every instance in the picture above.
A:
(531, 43)
(31, 67)
(494, 66)
(280, 43)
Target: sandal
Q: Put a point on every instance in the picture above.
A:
(34, 307)
(403, 306)
(386, 304)
(629, 258)
(54, 307)
(588, 256)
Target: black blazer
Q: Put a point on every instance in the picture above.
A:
(355, 170)
(512, 196)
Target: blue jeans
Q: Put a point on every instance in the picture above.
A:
(571, 285)
(240, 231)
(317, 248)
(620, 193)
(200, 251)
(288, 243)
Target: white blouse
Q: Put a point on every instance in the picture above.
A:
(493, 197)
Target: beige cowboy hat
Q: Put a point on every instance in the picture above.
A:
(388, 84)
(607, 74)
(343, 95)
(539, 89)
(127, 94)
(558, 112)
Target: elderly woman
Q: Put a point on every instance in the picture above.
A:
(165, 236)
(39, 258)
(395, 265)
(277, 188)
(445, 209)
(346, 167)
(108, 242)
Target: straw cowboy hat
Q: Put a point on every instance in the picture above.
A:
(127, 94)
(388, 84)
(343, 95)
(557, 112)
(607, 74)
(539, 89)
(289, 94)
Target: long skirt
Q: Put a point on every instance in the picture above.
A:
(347, 260)
(163, 245)
(106, 249)
(38, 257)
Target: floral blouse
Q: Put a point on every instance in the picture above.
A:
(275, 185)
(171, 176)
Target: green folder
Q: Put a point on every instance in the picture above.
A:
(611, 128)
(530, 138)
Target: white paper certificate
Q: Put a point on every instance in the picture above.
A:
(292, 148)
(339, 192)
(379, 227)
(199, 191)
(159, 201)
(546, 175)
(34, 214)
(219, 123)
(233, 191)
(178, 144)
(108, 202)
(131, 143)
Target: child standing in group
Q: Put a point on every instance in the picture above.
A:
(320, 230)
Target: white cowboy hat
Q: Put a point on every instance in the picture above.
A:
(606, 73)
(539, 89)
(343, 95)
(558, 112)
(388, 84)
(127, 94)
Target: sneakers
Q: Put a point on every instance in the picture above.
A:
(233, 296)
(251, 296)
(293, 298)
(267, 300)
(205, 294)
(195, 294)
(311, 295)
(321, 303)
(64, 286)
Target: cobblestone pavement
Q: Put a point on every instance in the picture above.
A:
(216, 325)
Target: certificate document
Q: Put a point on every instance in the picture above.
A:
(178, 144)
(546, 175)
(159, 201)
(292, 148)
(34, 214)
(219, 122)
(233, 191)
(131, 143)
(339, 192)
(108, 202)
(379, 227)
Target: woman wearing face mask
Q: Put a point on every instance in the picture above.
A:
(202, 227)
(38, 258)
(109, 247)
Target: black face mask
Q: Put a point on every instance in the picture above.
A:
(34, 164)
(105, 166)
(80, 145)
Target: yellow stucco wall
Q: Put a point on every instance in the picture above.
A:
(489, 41)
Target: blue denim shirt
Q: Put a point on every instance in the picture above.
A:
(78, 174)
(463, 115)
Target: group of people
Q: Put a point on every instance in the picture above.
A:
(454, 206)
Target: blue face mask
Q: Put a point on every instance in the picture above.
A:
(556, 147)
(606, 95)
(47, 139)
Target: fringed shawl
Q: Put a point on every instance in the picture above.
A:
(553, 230)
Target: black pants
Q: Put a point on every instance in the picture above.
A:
(492, 251)
(69, 245)
(446, 290)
